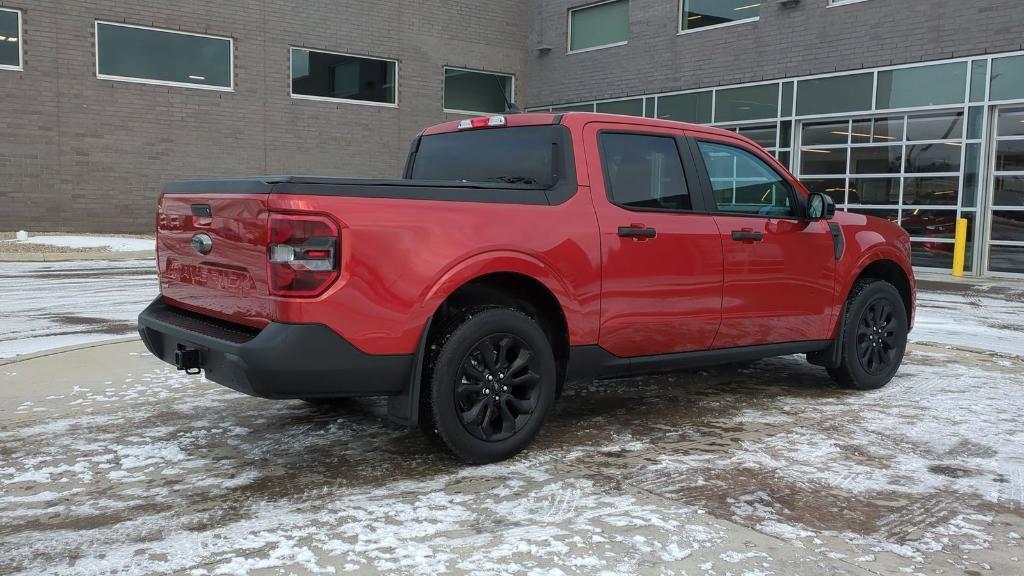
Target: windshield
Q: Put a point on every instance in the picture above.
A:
(523, 156)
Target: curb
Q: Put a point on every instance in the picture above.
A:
(69, 256)
(63, 349)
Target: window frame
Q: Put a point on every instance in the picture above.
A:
(444, 90)
(694, 185)
(682, 10)
(99, 76)
(21, 41)
(796, 198)
(568, 36)
(291, 86)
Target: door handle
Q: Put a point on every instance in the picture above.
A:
(747, 235)
(637, 231)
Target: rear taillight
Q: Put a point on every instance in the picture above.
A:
(302, 256)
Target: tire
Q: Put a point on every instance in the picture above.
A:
(491, 386)
(874, 336)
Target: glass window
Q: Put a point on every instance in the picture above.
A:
(979, 78)
(1010, 156)
(931, 190)
(698, 14)
(747, 103)
(922, 86)
(477, 92)
(972, 169)
(1007, 78)
(504, 155)
(929, 223)
(1009, 191)
(932, 254)
(1006, 259)
(1011, 123)
(877, 130)
(942, 157)
(850, 93)
(764, 135)
(787, 100)
(879, 191)
(343, 77)
(10, 39)
(975, 122)
(1008, 225)
(644, 171)
(834, 187)
(826, 133)
(742, 183)
(695, 108)
(822, 161)
(633, 107)
(599, 25)
(149, 55)
(875, 159)
(936, 127)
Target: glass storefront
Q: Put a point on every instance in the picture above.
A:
(921, 145)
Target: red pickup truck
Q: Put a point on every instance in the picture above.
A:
(519, 253)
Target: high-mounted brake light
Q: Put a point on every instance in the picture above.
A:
(486, 122)
(302, 257)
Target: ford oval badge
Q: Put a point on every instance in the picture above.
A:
(202, 243)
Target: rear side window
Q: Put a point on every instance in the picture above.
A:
(525, 155)
(644, 171)
(743, 183)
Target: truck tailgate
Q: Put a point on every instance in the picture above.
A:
(212, 255)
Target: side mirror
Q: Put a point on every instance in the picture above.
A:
(820, 207)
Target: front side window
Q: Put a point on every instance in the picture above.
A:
(599, 25)
(326, 75)
(697, 14)
(644, 172)
(10, 39)
(472, 92)
(138, 54)
(745, 184)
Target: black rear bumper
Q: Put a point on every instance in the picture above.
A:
(279, 361)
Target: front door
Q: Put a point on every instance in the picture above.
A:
(662, 261)
(779, 268)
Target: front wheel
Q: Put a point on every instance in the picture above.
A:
(492, 386)
(874, 336)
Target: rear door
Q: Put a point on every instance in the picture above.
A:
(779, 268)
(662, 257)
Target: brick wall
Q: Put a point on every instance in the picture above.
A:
(82, 154)
(811, 38)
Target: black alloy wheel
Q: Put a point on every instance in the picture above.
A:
(498, 390)
(491, 384)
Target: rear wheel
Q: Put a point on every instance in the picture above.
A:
(874, 336)
(492, 385)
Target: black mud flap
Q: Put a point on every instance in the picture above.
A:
(404, 409)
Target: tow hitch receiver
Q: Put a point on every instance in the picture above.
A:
(188, 359)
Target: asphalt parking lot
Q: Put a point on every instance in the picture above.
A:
(113, 463)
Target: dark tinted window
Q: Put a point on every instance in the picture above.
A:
(162, 56)
(10, 39)
(743, 183)
(524, 155)
(337, 76)
(644, 171)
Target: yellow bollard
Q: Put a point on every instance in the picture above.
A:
(960, 247)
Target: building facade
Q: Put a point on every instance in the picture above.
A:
(911, 110)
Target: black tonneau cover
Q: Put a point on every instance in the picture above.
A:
(496, 192)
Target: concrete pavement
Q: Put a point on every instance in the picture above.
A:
(113, 462)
